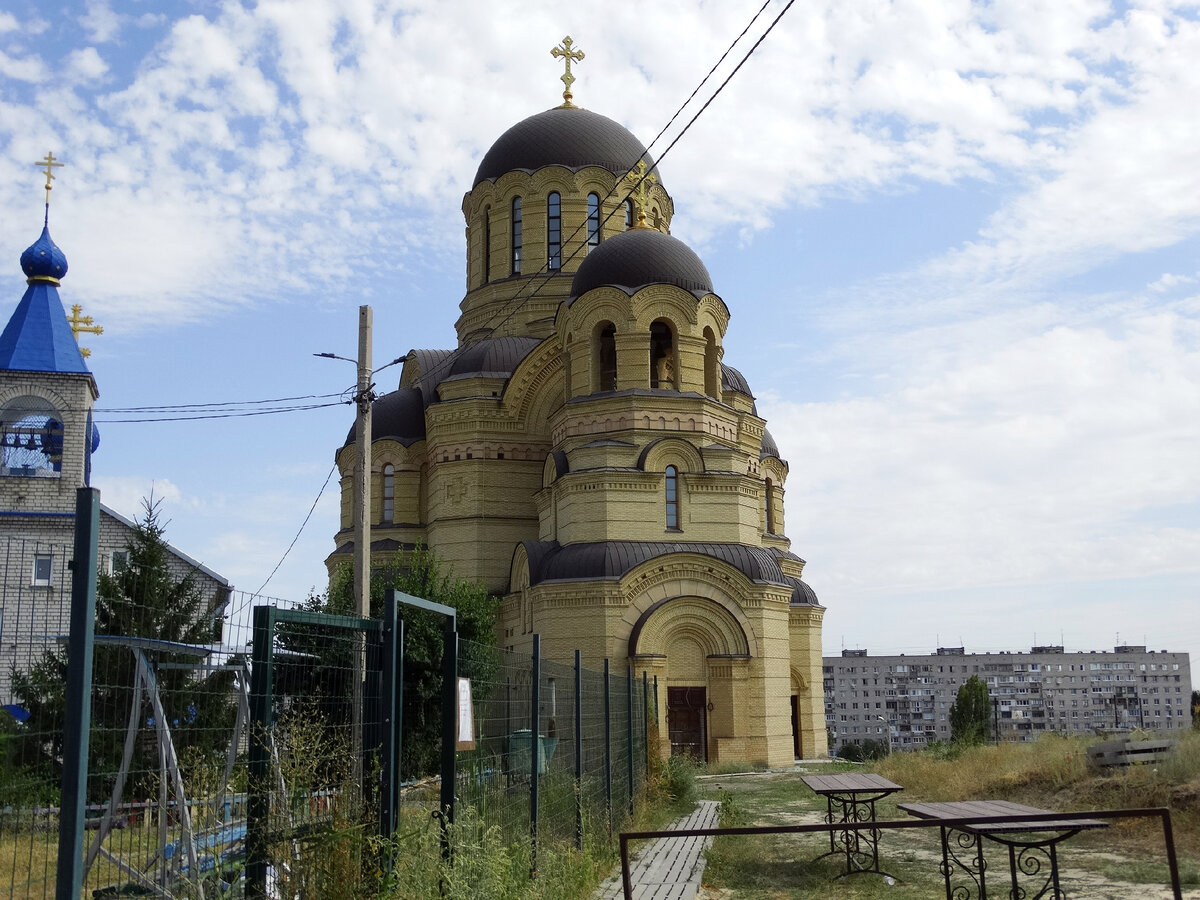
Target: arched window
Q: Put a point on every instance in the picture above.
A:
(628, 214)
(663, 367)
(516, 236)
(605, 357)
(672, 498)
(712, 365)
(487, 244)
(31, 438)
(770, 506)
(389, 494)
(593, 222)
(554, 231)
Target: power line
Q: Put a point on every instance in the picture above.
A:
(182, 406)
(226, 415)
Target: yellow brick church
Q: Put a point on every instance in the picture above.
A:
(586, 453)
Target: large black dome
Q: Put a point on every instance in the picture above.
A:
(570, 137)
(639, 257)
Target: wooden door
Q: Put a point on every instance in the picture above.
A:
(687, 723)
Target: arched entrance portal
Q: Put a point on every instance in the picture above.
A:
(699, 655)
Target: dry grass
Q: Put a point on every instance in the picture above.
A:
(1054, 773)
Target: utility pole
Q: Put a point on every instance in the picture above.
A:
(362, 526)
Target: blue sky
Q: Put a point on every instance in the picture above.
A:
(959, 241)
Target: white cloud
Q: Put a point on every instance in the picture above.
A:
(101, 23)
(8, 22)
(127, 494)
(1046, 459)
(22, 68)
(86, 63)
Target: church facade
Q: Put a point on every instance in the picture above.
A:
(587, 454)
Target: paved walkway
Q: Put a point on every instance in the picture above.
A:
(668, 868)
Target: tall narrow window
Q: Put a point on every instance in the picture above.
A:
(770, 506)
(389, 494)
(593, 221)
(487, 244)
(672, 498)
(516, 236)
(662, 357)
(712, 365)
(554, 231)
(628, 214)
(605, 356)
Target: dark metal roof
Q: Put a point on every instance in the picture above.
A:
(733, 380)
(603, 560)
(572, 137)
(499, 356)
(639, 257)
(769, 447)
(398, 416)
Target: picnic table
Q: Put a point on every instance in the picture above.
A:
(1032, 845)
(851, 797)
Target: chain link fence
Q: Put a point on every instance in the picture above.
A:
(553, 752)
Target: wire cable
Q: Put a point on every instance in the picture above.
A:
(303, 524)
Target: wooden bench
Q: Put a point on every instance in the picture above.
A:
(1109, 754)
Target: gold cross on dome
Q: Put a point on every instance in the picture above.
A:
(640, 181)
(564, 50)
(50, 164)
(81, 323)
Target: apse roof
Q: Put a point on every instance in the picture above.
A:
(570, 137)
(605, 560)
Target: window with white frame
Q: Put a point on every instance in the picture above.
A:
(43, 569)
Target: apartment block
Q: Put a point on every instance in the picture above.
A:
(905, 700)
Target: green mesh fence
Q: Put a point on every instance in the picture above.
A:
(170, 784)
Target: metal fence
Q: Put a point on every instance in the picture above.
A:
(192, 747)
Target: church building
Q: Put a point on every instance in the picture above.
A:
(586, 453)
(47, 438)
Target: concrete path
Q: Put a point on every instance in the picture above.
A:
(668, 868)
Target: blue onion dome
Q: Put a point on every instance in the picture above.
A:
(95, 438)
(570, 137)
(642, 256)
(43, 261)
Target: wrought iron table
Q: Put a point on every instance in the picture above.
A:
(1032, 846)
(851, 797)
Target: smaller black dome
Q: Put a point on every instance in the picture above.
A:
(564, 136)
(769, 447)
(639, 257)
(398, 416)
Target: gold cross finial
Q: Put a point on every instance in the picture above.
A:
(49, 164)
(564, 50)
(80, 323)
(641, 181)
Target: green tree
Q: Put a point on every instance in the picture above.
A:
(144, 599)
(971, 713)
(324, 676)
(1196, 710)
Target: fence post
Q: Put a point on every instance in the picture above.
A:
(76, 727)
(608, 747)
(646, 717)
(579, 751)
(449, 731)
(258, 803)
(389, 790)
(535, 747)
(629, 715)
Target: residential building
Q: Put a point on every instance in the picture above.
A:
(905, 700)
